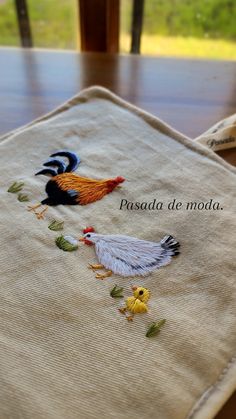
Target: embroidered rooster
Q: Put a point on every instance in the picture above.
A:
(67, 188)
(128, 256)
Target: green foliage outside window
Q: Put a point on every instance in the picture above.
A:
(201, 28)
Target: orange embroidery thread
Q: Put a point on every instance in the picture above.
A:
(67, 188)
(89, 190)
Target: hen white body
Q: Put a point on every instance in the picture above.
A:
(129, 256)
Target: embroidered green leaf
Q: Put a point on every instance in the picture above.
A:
(154, 328)
(56, 225)
(22, 197)
(15, 187)
(116, 292)
(66, 243)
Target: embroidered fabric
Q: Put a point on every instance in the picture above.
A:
(61, 335)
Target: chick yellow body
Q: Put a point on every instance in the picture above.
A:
(137, 303)
(134, 305)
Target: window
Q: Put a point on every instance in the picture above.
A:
(181, 28)
(187, 28)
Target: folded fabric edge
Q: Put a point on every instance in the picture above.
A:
(103, 93)
(214, 398)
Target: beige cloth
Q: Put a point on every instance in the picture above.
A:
(66, 351)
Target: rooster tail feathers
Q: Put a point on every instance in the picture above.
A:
(59, 163)
(169, 243)
(74, 160)
(59, 166)
(49, 171)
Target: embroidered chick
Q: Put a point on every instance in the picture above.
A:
(66, 188)
(136, 303)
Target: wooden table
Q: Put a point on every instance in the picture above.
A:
(190, 95)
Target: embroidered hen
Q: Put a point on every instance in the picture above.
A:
(67, 188)
(128, 256)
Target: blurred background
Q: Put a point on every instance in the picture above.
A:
(181, 28)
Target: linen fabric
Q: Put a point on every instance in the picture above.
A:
(65, 350)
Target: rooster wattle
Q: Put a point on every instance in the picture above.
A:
(128, 256)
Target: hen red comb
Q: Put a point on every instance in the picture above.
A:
(88, 230)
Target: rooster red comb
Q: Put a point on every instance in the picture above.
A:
(88, 230)
(119, 179)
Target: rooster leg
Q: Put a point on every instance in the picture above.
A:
(95, 267)
(40, 215)
(103, 276)
(33, 207)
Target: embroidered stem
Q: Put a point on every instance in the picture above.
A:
(56, 225)
(154, 328)
(66, 243)
(22, 197)
(16, 187)
(117, 292)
